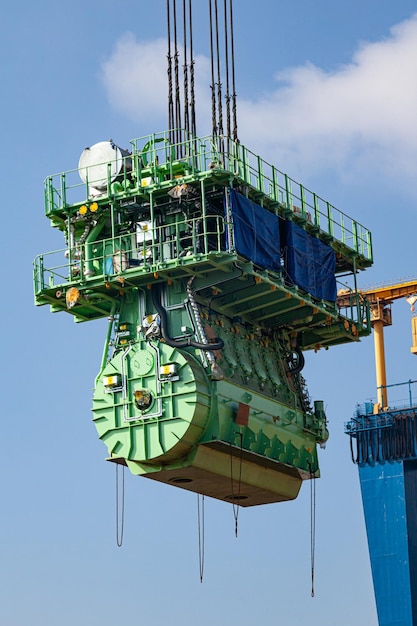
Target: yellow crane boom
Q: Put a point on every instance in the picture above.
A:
(389, 293)
(380, 300)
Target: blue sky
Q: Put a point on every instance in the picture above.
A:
(328, 93)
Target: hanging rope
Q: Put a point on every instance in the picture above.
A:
(226, 48)
(177, 82)
(121, 505)
(181, 104)
(213, 83)
(185, 67)
(312, 527)
(232, 44)
(200, 518)
(192, 63)
(171, 122)
(236, 498)
(219, 82)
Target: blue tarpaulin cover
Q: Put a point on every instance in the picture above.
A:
(309, 262)
(256, 232)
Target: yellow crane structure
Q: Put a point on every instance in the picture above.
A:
(380, 300)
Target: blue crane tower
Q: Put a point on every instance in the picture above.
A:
(383, 438)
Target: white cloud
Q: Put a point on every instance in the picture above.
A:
(364, 110)
(358, 117)
(135, 78)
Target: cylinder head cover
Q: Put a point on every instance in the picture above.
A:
(101, 163)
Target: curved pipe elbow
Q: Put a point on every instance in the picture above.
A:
(173, 343)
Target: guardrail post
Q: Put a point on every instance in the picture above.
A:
(275, 188)
(288, 192)
(355, 236)
(303, 201)
(330, 219)
(260, 180)
(63, 192)
(316, 210)
(369, 245)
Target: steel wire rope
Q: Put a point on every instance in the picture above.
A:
(226, 48)
(213, 83)
(171, 122)
(177, 86)
(236, 507)
(201, 544)
(312, 527)
(234, 96)
(219, 82)
(192, 81)
(120, 532)
(185, 68)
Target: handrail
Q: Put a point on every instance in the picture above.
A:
(117, 255)
(154, 164)
(366, 419)
(137, 254)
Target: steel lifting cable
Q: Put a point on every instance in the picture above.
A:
(119, 533)
(185, 68)
(192, 63)
(177, 82)
(236, 505)
(200, 521)
(171, 123)
(213, 83)
(226, 49)
(232, 47)
(219, 78)
(312, 527)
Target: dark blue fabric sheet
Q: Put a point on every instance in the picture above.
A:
(309, 262)
(256, 232)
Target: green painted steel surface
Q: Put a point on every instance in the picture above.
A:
(200, 380)
(155, 404)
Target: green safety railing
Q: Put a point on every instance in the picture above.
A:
(136, 253)
(140, 254)
(353, 306)
(156, 162)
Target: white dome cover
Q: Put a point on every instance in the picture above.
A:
(100, 162)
